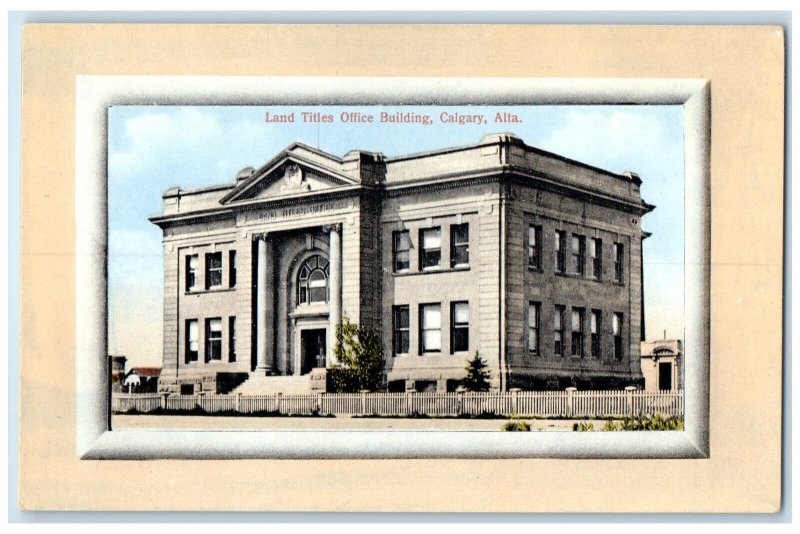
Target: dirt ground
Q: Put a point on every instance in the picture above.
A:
(335, 423)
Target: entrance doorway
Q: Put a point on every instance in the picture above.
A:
(665, 376)
(312, 349)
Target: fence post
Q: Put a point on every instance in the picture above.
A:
(629, 399)
(164, 401)
(514, 400)
(460, 408)
(278, 402)
(363, 402)
(409, 402)
(319, 402)
(238, 402)
(570, 401)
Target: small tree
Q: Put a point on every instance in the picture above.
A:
(477, 378)
(360, 352)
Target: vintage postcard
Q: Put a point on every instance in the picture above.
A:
(279, 272)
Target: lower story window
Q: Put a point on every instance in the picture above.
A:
(595, 326)
(401, 330)
(431, 328)
(577, 332)
(192, 340)
(533, 328)
(459, 333)
(558, 331)
(232, 339)
(617, 330)
(213, 339)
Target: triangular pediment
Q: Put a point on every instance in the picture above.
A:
(288, 174)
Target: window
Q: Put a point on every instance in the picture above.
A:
(232, 268)
(596, 251)
(578, 254)
(596, 323)
(558, 331)
(431, 255)
(431, 328)
(559, 255)
(459, 331)
(187, 389)
(619, 258)
(192, 340)
(312, 281)
(533, 327)
(191, 272)
(577, 332)
(459, 245)
(213, 270)
(617, 330)
(534, 247)
(213, 340)
(401, 330)
(231, 339)
(402, 245)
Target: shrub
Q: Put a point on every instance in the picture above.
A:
(360, 352)
(516, 426)
(583, 427)
(477, 378)
(656, 422)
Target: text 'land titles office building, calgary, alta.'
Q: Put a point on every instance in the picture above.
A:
(528, 258)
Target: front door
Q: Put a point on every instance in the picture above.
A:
(665, 376)
(312, 347)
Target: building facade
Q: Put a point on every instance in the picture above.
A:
(662, 364)
(530, 259)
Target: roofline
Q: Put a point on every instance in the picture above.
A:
(461, 148)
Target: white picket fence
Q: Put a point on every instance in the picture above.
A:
(570, 403)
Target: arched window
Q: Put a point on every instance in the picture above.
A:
(312, 281)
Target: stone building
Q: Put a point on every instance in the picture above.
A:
(662, 364)
(530, 259)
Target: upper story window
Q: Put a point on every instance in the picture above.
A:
(459, 245)
(578, 254)
(312, 281)
(401, 247)
(213, 270)
(596, 253)
(619, 262)
(430, 328)
(430, 256)
(560, 252)
(192, 340)
(534, 247)
(232, 268)
(459, 331)
(191, 272)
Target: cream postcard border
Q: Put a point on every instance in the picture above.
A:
(94, 94)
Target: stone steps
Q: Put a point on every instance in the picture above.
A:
(263, 385)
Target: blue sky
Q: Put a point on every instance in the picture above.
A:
(151, 148)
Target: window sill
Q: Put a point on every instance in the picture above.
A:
(209, 290)
(431, 270)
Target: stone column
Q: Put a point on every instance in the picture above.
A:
(335, 279)
(262, 365)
